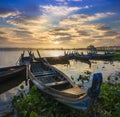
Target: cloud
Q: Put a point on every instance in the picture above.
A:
(1, 32)
(23, 34)
(3, 39)
(79, 19)
(84, 18)
(6, 12)
(59, 11)
(87, 33)
(103, 27)
(59, 33)
(49, 25)
(83, 33)
(118, 38)
(106, 31)
(101, 15)
(58, 29)
(100, 37)
(39, 23)
(49, 18)
(110, 33)
(62, 39)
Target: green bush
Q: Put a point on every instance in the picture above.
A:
(36, 104)
(110, 104)
(116, 56)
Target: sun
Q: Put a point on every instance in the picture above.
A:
(56, 42)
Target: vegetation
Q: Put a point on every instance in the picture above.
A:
(116, 56)
(84, 77)
(110, 106)
(36, 104)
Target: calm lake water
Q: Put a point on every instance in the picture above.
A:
(74, 69)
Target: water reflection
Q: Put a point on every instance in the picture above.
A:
(84, 61)
(49, 53)
(77, 67)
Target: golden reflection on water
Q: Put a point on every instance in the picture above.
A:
(56, 53)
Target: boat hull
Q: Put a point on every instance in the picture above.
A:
(70, 94)
(69, 97)
(83, 104)
(8, 73)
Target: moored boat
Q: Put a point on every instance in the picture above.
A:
(7, 73)
(55, 83)
(105, 56)
(24, 60)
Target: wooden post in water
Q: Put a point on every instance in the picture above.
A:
(38, 53)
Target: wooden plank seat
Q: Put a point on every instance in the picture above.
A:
(56, 83)
(45, 73)
(74, 91)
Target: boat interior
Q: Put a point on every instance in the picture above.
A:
(52, 78)
(49, 77)
(26, 58)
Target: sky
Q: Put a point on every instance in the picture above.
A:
(59, 23)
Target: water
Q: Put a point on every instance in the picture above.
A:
(77, 68)
(9, 58)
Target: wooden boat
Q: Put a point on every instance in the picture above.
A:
(95, 56)
(12, 83)
(7, 73)
(55, 83)
(53, 60)
(89, 56)
(77, 56)
(24, 60)
(56, 60)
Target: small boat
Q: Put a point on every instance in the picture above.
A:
(7, 73)
(53, 60)
(95, 56)
(24, 60)
(56, 60)
(77, 56)
(52, 81)
(12, 83)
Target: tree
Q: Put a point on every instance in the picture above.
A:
(92, 49)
